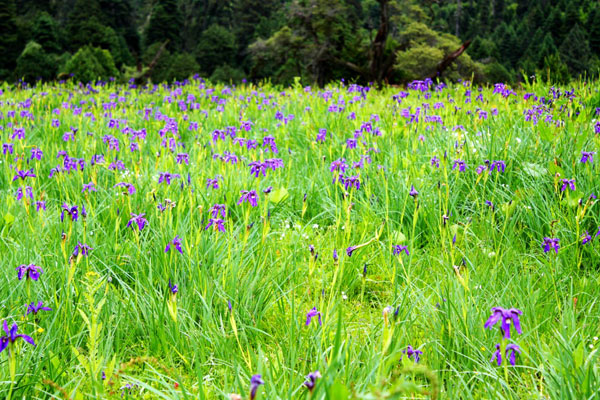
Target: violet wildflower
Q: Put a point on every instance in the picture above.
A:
(335, 254)
(350, 250)
(30, 271)
(24, 174)
(567, 182)
(217, 223)
(435, 162)
(413, 192)
(510, 348)
(173, 288)
(255, 382)
(249, 196)
(83, 249)
(505, 317)
(311, 314)
(11, 337)
(412, 354)
(217, 209)
(40, 205)
(397, 249)
(139, 219)
(322, 135)
(182, 158)
(167, 177)
(550, 243)
(176, 242)
(90, 187)
(587, 156)
(36, 154)
(338, 165)
(130, 188)
(586, 238)
(498, 165)
(72, 211)
(460, 164)
(33, 308)
(311, 380)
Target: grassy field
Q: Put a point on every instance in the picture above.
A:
(192, 237)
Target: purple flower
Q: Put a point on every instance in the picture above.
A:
(322, 135)
(36, 154)
(82, 248)
(39, 205)
(413, 192)
(138, 219)
(504, 316)
(129, 186)
(435, 162)
(460, 164)
(176, 242)
(32, 308)
(250, 197)
(72, 211)
(11, 337)
(550, 243)
(335, 254)
(30, 271)
(217, 223)
(182, 158)
(338, 165)
(311, 380)
(311, 314)
(567, 182)
(173, 288)
(498, 165)
(255, 382)
(586, 238)
(167, 177)
(412, 354)
(510, 348)
(397, 249)
(350, 250)
(587, 156)
(212, 183)
(89, 187)
(24, 174)
(217, 209)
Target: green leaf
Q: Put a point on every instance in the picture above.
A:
(277, 196)
(338, 391)
(9, 218)
(398, 237)
(534, 170)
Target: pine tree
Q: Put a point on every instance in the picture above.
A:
(165, 24)
(575, 51)
(45, 33)
(8, 37)
(593, 29)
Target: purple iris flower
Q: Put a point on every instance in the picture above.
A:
(550, 243)
(257, 168)
(350, 250)
(412, 354)
(567, 182)
(510, 354)
(173, 288)
(129, 186)
(72, 211)
(587, 156)
(460, 164)
(586, 238)
(82, 248)
(335, 254)
(33, 308)
(30, 271)
(24, 174)
(498, 165)
(217, 223)
(351, 181)
(504, 316)
(397, 249)
(90, 187)
(167, 177)
(39, 205)
(139, 219)
(36, 154)
(176, 242)
(413, 192)
(255, 382)
(249, 196)
(311, 314)
(435, 162)
(11, 337)
(339, 165)
(311, 380)
(218, 209)
(212, 183)
(182, 158)
(322, 135)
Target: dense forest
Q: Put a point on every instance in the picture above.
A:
(392, 41)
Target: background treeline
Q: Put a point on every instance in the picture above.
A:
(319, 40)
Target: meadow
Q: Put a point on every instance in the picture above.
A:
(200, 241)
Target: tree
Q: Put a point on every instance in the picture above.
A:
(34, 63)
(183, 66)
(575, 51)
(90, 63)
(216, 46)
(165, 24)
(45, 33)
(8, 37)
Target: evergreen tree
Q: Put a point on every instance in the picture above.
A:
(593, 28)
(216, 46)
(165, 24)
(45, 33)
(34, 63)
(8, 37)
(575, 51)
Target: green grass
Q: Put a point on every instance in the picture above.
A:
(112, 311)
